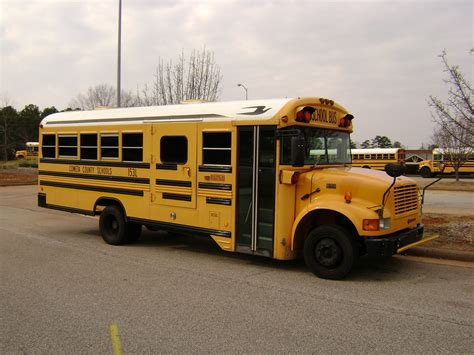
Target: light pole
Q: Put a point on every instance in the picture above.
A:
(119, 51)
(246, 91)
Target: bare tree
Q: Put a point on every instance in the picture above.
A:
(198, 78)
(457, 113)
(102, 95)
(454, 118)
(455, 153)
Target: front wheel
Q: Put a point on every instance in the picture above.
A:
(115, 230)
(330, 252)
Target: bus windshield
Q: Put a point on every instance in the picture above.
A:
(323, 146)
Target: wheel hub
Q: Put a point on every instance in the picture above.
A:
(328, 253)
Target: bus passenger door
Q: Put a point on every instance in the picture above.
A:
(174, 154)
(256, 166)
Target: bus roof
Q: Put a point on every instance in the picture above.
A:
(211, 111)
(376, 151)
(459, 150)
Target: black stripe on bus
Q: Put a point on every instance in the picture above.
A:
(173, 183)
(215, 168)
(69, 209)
(112, 190)
(128, 119)
(117, 164)
(215, 186)
(219, 201)
(95, 177)
(168, 196)
(166, 166)
(180, 228)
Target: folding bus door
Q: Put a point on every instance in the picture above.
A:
(256, 189)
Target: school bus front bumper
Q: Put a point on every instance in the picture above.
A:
(396, 243)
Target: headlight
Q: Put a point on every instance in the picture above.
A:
(385, 223)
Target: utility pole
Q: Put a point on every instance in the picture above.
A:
(119, 51)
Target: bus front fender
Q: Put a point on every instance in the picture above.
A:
(350, 212)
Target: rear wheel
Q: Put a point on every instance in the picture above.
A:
(366, 167)
(425, 172)
(115, 230)
(330, 252)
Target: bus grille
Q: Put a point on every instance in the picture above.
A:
(406, 199)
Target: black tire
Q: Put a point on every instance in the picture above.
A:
(330, 252)
(425, 172)
(115, 230)
(366, 167)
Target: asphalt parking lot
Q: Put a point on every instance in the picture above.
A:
(63, 289)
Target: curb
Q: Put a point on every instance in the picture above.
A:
(438, 253)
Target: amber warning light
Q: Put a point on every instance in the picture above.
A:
(345, 121)
(305, 115)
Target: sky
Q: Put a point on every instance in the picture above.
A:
(378, 59)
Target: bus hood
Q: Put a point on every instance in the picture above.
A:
(362, 183)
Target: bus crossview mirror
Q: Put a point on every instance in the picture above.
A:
(395, 170)
(297, 151)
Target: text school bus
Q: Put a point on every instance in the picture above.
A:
(272, 178)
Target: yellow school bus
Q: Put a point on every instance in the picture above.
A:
(31, 151)
(269, 177)
(377, 158)
(438, 163)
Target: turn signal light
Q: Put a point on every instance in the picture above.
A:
(348, 197)
(370, 224)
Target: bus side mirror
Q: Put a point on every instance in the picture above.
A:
(395, 170)
(297, 151)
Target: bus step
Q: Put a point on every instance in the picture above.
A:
(265, 228)
(265, 215)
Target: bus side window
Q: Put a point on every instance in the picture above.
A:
(48, 147)
(174, 149)
(89, 146)
(216, 148)
(132, 146)
(67, 146)
(109, 146)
